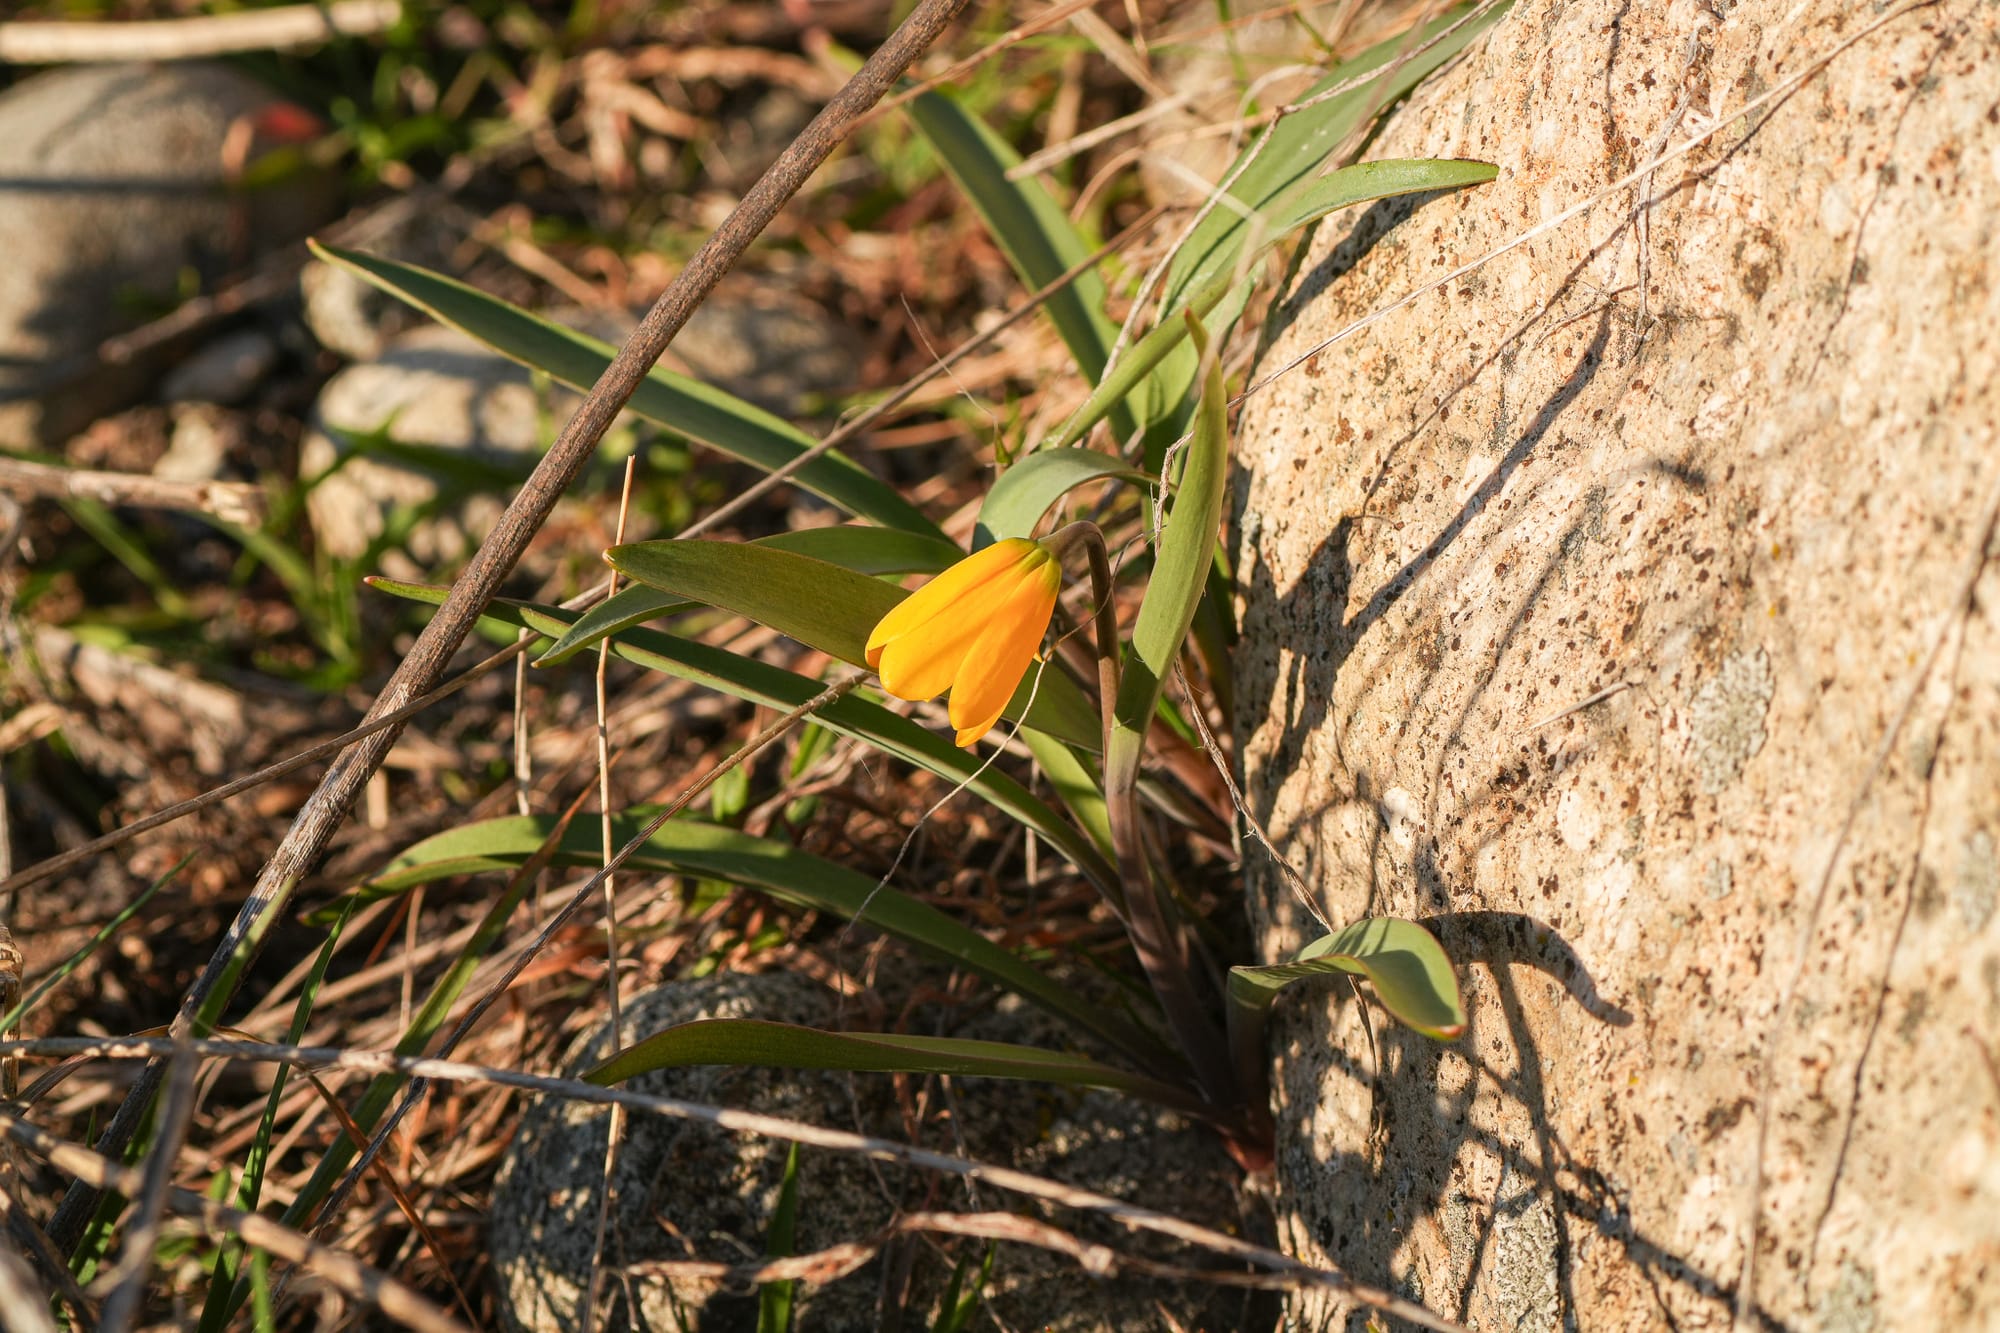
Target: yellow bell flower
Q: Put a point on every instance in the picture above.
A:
(972, 630)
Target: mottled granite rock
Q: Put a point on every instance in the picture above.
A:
(1584, 601)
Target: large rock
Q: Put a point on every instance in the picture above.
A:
(1630, 610)
(114, 185)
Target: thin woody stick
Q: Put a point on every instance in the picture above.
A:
(231, 501)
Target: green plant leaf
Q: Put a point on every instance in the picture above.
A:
(685, 847)
(750, 1042)
(1030, 488)
(774, 1299)
(1298, 146)
(1411, 974)
(629, 606)
(226, 1292)
(717, 419)
(1029, 226)
(1078, 785)
(774, 687)
(864, 550)
(437, 1006)
(1218, 297)
(826, 607)
(1180, 572)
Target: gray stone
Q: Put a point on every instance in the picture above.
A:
(688, 1191)
(759, 341)
(356, 318)
(113, 184)
(226, 370)
(199, 443)
(440, 393)
(1647, 560)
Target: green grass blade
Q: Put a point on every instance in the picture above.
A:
(774, 687)
(748, 1042)
(825, 607)
(717, 419)
(955, 1311)
(429, 1018)
(864, 550)
(684, 847)
(226, 1293)
(1029, 489)
(88, 947)
(1030, 227)
(1412, 976)
(1180, 572)
(774, 1299)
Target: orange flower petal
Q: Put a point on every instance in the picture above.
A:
(924, 660)
(961, 580)
(993, 667)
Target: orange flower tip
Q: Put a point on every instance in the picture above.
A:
(971, 631)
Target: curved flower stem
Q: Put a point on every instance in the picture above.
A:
(1156, 937)
(1091, 537)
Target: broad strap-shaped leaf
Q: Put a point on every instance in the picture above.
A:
(1218, 296)
(1031, 229)
(701, 412)
(1404, 962)
(774, 687)
(864, 550)
(750, 1042)
(828, 608)
(1297, 147)
(1180, 572)
(1030, 488)
(779, 869)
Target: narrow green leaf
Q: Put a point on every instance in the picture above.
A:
(717, 419)
(864, 550)
(1076, 783)
(629, 606)
(90, 946)
(1180, 572)
(826, 607)
(685, 847)
(1030, 488)
(1404, 962)
(1297, 147)
(774, 687)
(955, 1311)
(774, 1299)
(1218, 297)
(750, 1042)
(1029, 226)
(226, 1291)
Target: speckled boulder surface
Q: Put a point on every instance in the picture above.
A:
(1629, 609)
